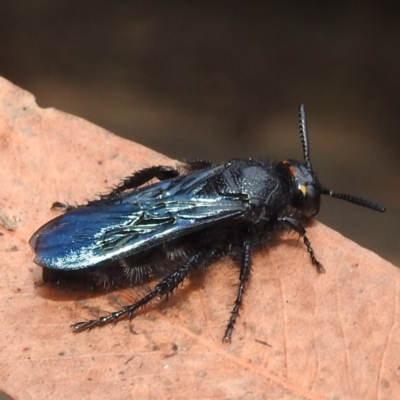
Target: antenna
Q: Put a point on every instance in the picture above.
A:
(353, 199)
(304, 135)
(306, 153)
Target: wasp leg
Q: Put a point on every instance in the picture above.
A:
(299, 228)
(165, 287)
(245, 270)
(161, 172)
(197, 165)
(131, 182)
(62, 206)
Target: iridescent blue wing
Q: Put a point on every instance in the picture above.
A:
(131, 223)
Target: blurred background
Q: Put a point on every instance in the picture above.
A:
(223, 79)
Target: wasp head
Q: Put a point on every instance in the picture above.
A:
(304, 188)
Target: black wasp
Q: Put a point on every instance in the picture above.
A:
(186, 221)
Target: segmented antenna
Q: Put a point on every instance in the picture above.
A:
(353, 199)
(306, 153)
(304, 135)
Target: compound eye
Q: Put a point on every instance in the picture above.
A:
(311, 201)
(312, 192)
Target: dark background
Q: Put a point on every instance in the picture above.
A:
(222, 79)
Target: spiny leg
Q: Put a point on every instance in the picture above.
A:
(318, 265)
(62, 206)
(137, 179)
(245, 270)
(165, 287)
(299, 228)
(197, 165)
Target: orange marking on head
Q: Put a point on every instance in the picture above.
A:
(292, 171)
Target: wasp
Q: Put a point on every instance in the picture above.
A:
(186, 220)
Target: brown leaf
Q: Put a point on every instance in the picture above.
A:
(300, 335)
